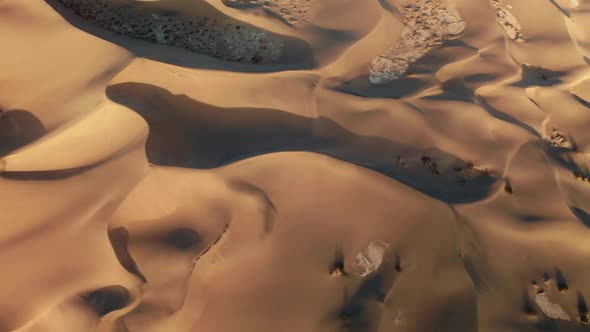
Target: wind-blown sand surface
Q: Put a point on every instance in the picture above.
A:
(294, 165)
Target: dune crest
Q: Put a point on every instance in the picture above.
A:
(294, 165)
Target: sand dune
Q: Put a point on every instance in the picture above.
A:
(294, 165)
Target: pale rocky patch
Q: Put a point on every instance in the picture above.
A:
(369, 259)
(427, 24)
(508, 21)
(218, 37)
(292, 11)
(550, 309)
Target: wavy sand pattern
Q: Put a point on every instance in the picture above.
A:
(294, 166)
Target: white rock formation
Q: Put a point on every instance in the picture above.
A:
(552, 310)
(369, 259)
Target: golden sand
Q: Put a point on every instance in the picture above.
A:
(294, 165)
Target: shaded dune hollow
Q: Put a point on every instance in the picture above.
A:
(294, 166)
(182, 127)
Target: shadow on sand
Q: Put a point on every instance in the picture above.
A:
(17, 129)
(188, 133)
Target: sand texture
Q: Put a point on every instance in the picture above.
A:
(294, 165)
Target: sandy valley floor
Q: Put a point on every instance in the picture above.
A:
(294, 165)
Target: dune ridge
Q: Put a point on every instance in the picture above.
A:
(294, 165)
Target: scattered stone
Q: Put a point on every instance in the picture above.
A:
(222, 38)
(427, 24)
(507, 21)
(400, 162)
(469, 172)
(581, 176)
(507, 185)
(528, 306)
(398, 263)
(432, 166)
(582, 309)
(552, 310)
(337, 268)
(559, 140)
(369, 259)
(560, 280)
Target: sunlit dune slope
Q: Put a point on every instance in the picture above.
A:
(294, 165)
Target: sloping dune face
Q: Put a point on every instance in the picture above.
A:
(294, 165)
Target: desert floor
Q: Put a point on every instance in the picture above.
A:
(294, 165)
